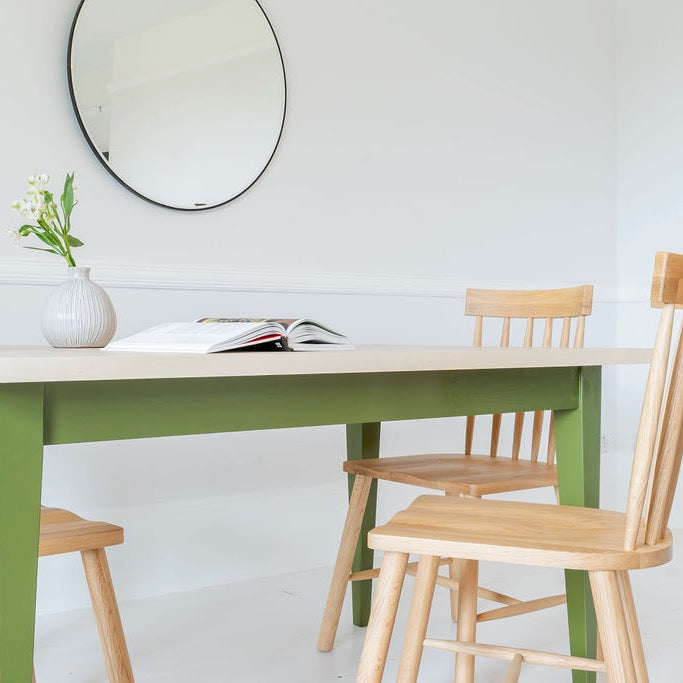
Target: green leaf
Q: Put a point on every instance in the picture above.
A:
(67, 198)
(73, 241)
(39, 232)
(48, 239)
(51, 251)
(46, 233)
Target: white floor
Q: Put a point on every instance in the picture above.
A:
(264, 631)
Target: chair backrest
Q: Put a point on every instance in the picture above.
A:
(568, 305)
(659, 444)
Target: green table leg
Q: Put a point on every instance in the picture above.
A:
(362, 441)
(21, 465)
(577, 434)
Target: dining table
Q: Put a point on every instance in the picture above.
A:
(54, 396)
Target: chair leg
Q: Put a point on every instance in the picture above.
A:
(468, 580)
(515, 668)
(382, 617)
(342, 567)
(634, 638)
(611, 617)
(416, 629)
(453, 592)
(107, 616)
(453, 575)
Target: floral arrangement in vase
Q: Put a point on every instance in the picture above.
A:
(78, 313)
(51, 228)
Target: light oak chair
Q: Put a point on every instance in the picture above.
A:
(605, 543)
(468, 474)
(61, 531)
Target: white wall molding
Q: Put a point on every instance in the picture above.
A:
(190, 278)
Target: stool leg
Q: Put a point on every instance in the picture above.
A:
(382, 617)
(468, 581)
(342, 567)
(416, 629)
(107, 616)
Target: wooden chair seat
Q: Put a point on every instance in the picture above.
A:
(469, 475)
(518, 533)
(62, 531)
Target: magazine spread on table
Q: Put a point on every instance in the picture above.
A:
(210, 335)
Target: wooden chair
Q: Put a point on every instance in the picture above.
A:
(62, 531)
(605, 543)
(468, 474)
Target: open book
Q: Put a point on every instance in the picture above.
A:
(209, 335)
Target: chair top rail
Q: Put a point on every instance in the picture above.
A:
(534, 303)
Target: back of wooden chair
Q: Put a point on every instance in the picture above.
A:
(548, 305)
(659, 444)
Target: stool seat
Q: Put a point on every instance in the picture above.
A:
(62, 531)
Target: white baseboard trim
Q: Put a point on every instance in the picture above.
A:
(188, 278)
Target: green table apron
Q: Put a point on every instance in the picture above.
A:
(36, 414)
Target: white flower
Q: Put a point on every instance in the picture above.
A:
(14, 236)
(22, 206)
(39, 180)
(30, 208)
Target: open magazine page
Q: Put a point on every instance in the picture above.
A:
(301, 333)
(199, 338)
(284, 323)
(311, 331)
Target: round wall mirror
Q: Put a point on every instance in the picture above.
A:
(183, 101)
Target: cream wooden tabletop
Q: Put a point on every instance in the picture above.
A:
(45, 364)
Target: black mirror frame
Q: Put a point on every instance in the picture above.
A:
(103, 161)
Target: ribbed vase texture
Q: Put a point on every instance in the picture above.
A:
(79, 313)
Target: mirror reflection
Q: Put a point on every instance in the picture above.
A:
(182, 100)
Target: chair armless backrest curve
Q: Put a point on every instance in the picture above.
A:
(567, 304)
(659, 443)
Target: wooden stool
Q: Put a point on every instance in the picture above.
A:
(466, 473)
(61, 532)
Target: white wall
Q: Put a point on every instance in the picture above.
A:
(425, 149)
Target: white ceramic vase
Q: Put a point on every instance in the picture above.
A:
(78, 313)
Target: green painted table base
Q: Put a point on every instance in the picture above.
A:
(34, 415)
